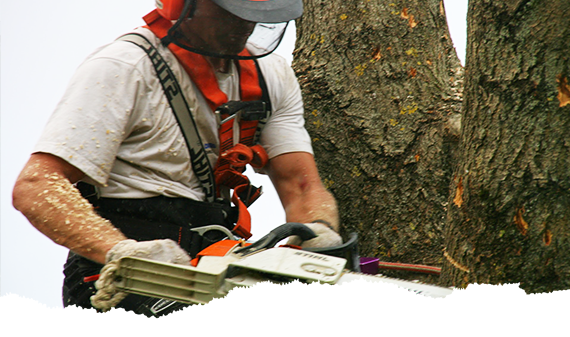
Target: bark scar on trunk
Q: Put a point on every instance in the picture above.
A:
(563, 90)
(547, 237)
(522, 225)
(458, 200)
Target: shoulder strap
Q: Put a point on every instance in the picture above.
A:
(181, 110)
(265, 98)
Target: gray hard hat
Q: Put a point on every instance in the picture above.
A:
(265, 11)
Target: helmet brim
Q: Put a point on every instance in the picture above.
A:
(264, 11)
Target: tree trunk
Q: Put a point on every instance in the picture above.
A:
(382, 90)
(509, 214)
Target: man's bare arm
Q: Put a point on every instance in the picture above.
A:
(304, 198)
(45, 194)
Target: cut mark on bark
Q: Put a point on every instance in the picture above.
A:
(547, 237)
(522, 225)
(458, 200)
(411, 21)
(376, 55)
(563, 90)
(455, 263)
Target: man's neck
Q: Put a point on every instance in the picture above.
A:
(219, 64)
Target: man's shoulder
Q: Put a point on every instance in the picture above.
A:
(274, 60)
(277, 71)
(123, 51)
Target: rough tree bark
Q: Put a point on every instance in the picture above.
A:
(509, 215)
(382, 90)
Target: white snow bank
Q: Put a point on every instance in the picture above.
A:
(298, 309)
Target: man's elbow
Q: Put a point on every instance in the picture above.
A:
(26, 189)
(21, 195)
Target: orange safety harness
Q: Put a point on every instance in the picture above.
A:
(237, 145)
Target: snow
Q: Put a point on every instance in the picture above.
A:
(356, 308)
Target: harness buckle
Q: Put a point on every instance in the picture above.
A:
(247, 111)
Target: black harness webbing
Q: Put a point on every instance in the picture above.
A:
(181, 110)
(265, 98)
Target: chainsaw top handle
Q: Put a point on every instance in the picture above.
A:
(348, 250)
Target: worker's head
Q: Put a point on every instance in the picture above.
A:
(221, 28)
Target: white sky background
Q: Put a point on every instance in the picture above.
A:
(42, 43)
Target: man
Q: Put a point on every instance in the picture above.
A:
(115, 134)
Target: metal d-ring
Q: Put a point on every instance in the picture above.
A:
(202, 230)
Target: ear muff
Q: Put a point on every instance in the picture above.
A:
(170, 9)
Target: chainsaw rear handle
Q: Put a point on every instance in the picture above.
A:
(282, 232)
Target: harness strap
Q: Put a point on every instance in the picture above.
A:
(181, 110)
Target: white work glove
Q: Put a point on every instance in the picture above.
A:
(326, 237)
(164, 250)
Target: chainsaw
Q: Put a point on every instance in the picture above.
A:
(233, 263)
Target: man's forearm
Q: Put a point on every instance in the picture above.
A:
(312, 207)
(57, 209)
(300, 189)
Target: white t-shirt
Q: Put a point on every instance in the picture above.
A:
(114, 122)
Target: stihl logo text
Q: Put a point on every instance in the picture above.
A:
(312, 256)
